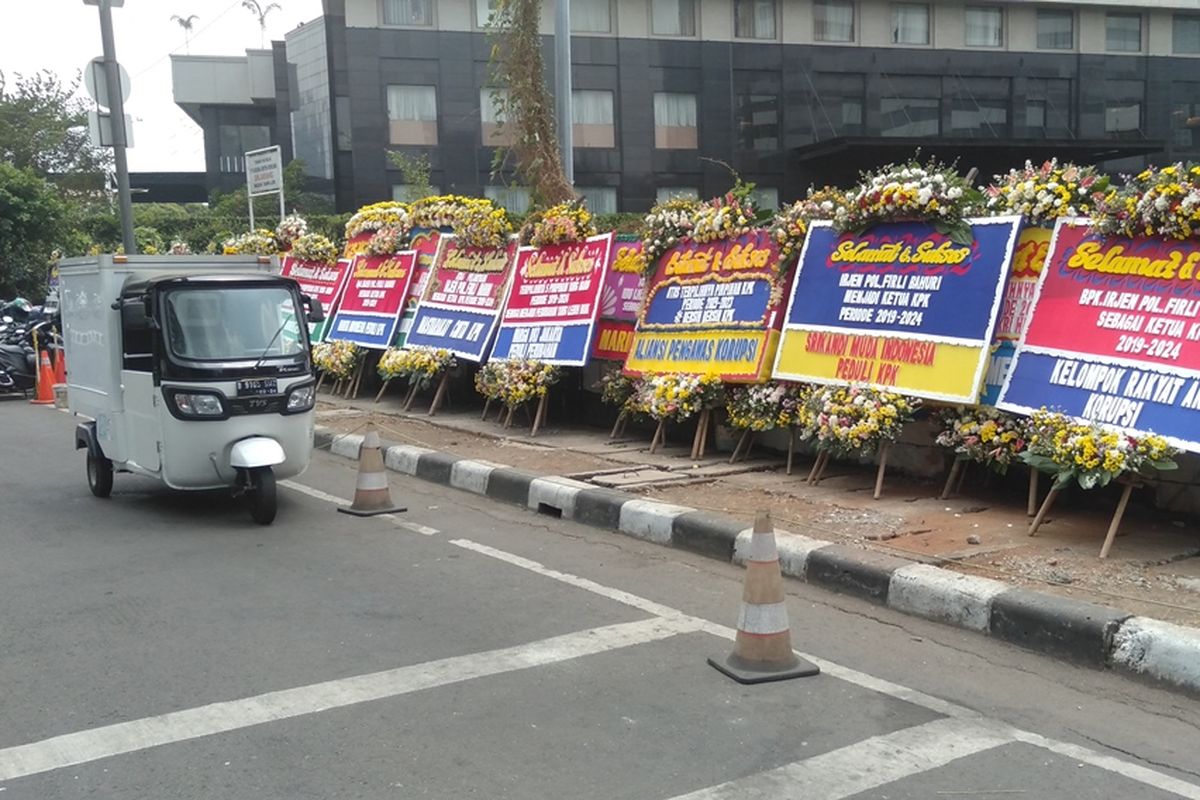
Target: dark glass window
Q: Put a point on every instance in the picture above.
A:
(1123, 104)
(978, 107)
(1185, 115)
(758, 122)
(1048, 108)
(837, 105)
(1185, 34)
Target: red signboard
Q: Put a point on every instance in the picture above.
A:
(320, 280)
(373, 300)
(1125, 298)
(620, 300)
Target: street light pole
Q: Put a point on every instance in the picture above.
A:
(116, 108)
(562, 87)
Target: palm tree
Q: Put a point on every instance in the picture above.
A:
(261, 11)
(187, 23)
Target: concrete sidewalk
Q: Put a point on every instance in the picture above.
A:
(570, 473)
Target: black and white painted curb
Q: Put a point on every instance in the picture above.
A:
(1083, 632)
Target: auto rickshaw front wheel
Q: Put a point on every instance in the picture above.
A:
(99, 475)
(261, 495)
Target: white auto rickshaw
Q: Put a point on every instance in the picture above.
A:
(194, 370)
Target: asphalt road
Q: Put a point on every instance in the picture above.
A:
(159, 645)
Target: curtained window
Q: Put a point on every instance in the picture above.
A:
(1123, 33)
(599, 199)
(910, 23)
(514, 199)
(665, 193)
(675, 121)
(833, 20)
(985, 26)
(412, 114)
(1185, 34)
(483, 11)
(491, 117)
(1055, 30)
(754, 19)
(592, 118)
(673, 17)
(591, 16)
(408, 12)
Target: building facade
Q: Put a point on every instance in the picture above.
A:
(788, 92)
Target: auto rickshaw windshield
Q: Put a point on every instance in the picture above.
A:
(233, 323)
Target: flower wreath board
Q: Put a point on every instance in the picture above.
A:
(319, 280)
(423, 242)
(373, 300)
(554, 302)
(712, 308)
(1114, 336)
(464, 297)
(1033, 245)
(620, 300)
(898, 306)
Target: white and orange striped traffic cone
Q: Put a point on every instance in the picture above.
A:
(763, 649)
(371, 495)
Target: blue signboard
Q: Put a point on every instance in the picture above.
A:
(904, 278)
(899, 306)
(464, 333)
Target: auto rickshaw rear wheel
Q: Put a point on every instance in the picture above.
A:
(261, 495)
(99, 475)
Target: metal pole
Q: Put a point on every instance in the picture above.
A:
(116, 107)
(250, 205)
(562, 86)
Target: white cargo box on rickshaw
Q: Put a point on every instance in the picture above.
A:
(194, 370)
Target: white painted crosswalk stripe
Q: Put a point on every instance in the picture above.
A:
(864, 765)
(179, 726)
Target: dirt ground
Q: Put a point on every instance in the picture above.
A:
(1153, 569)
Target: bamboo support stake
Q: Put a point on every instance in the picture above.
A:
(883, 454)
(411, 396)
(817, 468)
(791, 447)
(1116, 520)
(962, 477)
(658, 436)
(387, 382)
(1045, 509)
(487, 404)
(508, 419)
(320, 382)
(440, 394)
(821, 471)
(705, 424)
(954, 470)
(540, 417)
(738, 448)
(749, 447)
(617, 426)
(1031, 504)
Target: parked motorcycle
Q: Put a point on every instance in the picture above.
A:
(19, 359)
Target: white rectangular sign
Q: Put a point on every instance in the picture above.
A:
(264, 171)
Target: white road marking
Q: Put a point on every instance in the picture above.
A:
(864, 765)
(178, 726)
(424, 530)
(1134, 772)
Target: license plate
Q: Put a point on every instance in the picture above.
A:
(257, 386)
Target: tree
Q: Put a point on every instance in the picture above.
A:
(261, 11)
(32, 218)
(526, 106)
(415, 171)
(43, 127)
(187, 23)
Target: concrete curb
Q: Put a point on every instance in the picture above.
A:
(1082, 632)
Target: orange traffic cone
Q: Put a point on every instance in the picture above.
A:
(60, 365)
(45, 382)
(763, 649)
(371, 495)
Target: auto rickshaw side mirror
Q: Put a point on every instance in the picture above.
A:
(135, 315)
(313, 309)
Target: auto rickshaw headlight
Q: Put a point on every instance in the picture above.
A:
(302, 398)
(198, 404)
